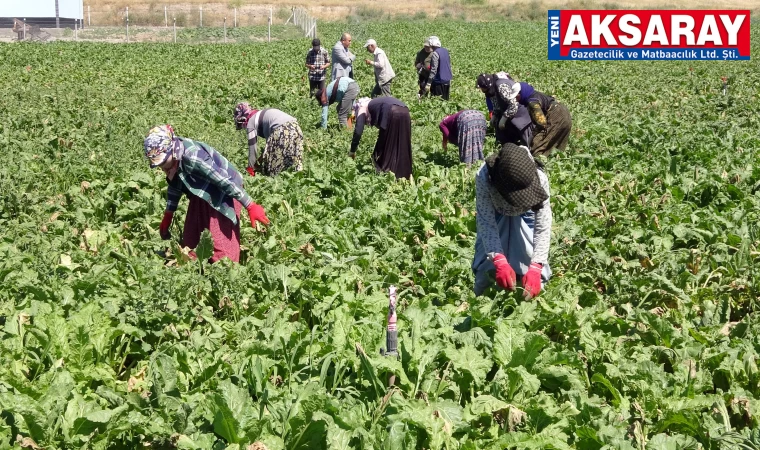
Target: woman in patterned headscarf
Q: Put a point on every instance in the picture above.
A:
(284, 139)
(514, 221)
(213, 186)
(509, 118)
(393, 149)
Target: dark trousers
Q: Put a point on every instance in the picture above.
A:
(314, 85)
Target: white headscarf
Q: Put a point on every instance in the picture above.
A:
(434, 41)
(360, 107)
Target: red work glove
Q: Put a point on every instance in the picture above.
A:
(256, 213)
(505, 276)
(532, 281)
(250, 171)
(166, 222)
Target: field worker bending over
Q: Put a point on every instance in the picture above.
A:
(422, 65)
(342, 91)
(213, 186)
(514, 221)
(342, 58)
(439, 79)
(384, 73)
(509, 118)
(393, 149)
(467, 130)
(551, 119)
(284, 140)
(317, 61)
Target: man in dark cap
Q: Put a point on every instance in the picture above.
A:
(514, 221)
(317, 61)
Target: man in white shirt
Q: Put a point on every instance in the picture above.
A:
(342, 58)
(384, 73)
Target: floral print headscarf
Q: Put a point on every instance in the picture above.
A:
(159, 144)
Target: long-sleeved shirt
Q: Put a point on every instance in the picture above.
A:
(207, 174)
(489, 202)
(439, 66)
(342, 60)
(317, 59)
(422, 63)
(343, 83)
(537, 102)
(377, 113)
(261, 124)
(449, 128)
(383, 70)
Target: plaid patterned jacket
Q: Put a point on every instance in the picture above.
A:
(205, 173)
(319, 58)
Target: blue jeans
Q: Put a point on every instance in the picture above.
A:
(516, 233)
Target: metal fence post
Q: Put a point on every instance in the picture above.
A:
(24, 29)
(89, 22)
(166, 18)
(269, 27)
(201, 10)
(76, 29)
(225, 30)
(235, 25)
(175, 30)
(127, 23)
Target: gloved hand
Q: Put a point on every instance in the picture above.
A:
(256, 213)
(532, 281)
(166, 222)
(505, 275)
(502, 123)
(426, 89)
(250, 171)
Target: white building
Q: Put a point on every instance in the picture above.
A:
(46, 13)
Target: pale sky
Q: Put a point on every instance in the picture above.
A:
(71, 9)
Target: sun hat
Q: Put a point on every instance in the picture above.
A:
(513, 173)
(370, 42)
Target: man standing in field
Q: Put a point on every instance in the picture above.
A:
(384, 73)
(342, 58)
(439, 79)
(317, 60)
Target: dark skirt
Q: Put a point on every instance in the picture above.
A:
(557, 132)
(226, 235)
(393, 149)
(440, 90)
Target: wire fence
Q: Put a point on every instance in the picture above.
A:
(181, 24)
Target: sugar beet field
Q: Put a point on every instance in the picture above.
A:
(647, 336)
